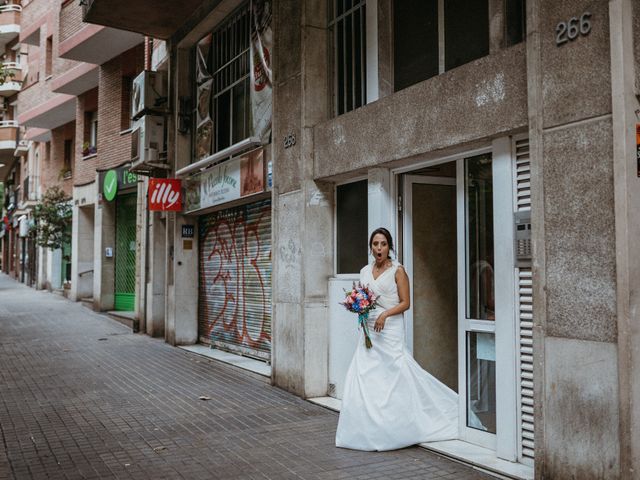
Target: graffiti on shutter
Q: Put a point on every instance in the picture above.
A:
(235, 279)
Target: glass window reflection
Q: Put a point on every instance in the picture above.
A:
(481, 381)
(480, 304)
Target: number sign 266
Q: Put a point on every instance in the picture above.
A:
(567, 31)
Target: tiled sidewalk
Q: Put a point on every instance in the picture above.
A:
(83, 397)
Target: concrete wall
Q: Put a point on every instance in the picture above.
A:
(625, 75)
(302, 215)
(82, 242)
(479, 100)
(105, 236)
(575, 290)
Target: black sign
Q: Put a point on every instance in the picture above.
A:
(187, 231)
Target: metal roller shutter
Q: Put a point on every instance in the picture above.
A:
(235, 279)
(524, 312)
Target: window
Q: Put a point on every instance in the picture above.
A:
(233, 82)
(90, 144)
(416, 41)
(68, 156)
(347, 28)
(433, 36)
(49, 58)
(351, 226)
(515, 21)
(222, 109)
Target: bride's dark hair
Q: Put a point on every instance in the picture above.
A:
(387, 235)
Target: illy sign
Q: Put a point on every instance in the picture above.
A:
(165, 194)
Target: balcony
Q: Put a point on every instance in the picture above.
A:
(76, 81)
(94, 44)
(13, 83)
(9, 23)
(155, 18)
(8, 136)
(56, 111)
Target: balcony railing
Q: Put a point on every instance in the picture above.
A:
(8, 135)
(9, 15)
(13, 80)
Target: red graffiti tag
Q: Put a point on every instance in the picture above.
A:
(235, 272)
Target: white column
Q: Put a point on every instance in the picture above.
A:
(381, 204)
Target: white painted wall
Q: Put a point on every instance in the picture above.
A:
(343, 334)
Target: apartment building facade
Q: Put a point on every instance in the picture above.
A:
(496, 140)
(71, 102)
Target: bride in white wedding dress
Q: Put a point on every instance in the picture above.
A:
(389, 401)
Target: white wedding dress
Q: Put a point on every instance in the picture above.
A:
(389, 401)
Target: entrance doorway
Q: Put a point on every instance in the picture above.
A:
(431, 245)
(460, 327)
(125, 253)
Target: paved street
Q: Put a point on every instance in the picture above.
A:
(83, 397)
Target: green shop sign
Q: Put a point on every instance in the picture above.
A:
(116, 180)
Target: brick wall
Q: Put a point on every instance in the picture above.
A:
(114, 147)
(52, 166)
(70, 19)
(35, 10)
(34, 94)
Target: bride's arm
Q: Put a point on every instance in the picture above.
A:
(402, 281)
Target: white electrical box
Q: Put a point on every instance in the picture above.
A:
(147, 140)
(149, 94)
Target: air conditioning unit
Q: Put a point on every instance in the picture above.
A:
(149, 94)
(147, 140)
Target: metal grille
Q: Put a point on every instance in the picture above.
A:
(235, 280)
(125, 253)
(347, 24)
(522, 187)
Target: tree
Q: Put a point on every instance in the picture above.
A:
(52, 216)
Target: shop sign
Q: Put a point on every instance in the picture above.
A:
(165, 195)
(116, 180)
(228, 181)
(188, 231)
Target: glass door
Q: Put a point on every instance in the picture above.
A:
(458, 248)
(476, 302)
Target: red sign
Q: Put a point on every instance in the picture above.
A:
(165, 194)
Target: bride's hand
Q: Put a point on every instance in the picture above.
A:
(379, 325)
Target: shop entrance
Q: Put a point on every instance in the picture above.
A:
(125, 253)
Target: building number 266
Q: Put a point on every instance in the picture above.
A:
(567, 31)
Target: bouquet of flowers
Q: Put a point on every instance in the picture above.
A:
(360, 300)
